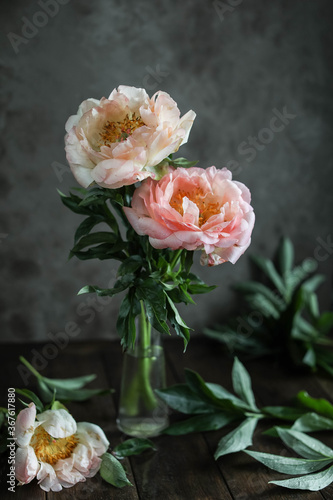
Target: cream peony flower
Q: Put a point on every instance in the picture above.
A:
(118, 141)
(55, 449)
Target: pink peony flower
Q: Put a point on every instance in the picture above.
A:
(195, 209)
(118, 141)
(55, 449)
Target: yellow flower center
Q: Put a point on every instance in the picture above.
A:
(119, 131)
(206, 208)
(49, 449)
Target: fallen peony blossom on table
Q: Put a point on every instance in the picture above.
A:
(118, 141)
(195, 209)
(55, 449)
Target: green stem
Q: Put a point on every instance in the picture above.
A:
(31, 368)
(145, 329)
(140, 387)
(175, 259)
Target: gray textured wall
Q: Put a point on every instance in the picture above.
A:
(233, 62)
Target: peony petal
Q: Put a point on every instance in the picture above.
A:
(78, 159)
(145, 225)
(186, 123)
(58, 423)
(25, 425)
(26, 464)
(136, 97)
(92, 435)
(83, 108)
(47, 478)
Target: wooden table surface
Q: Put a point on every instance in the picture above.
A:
(183, 467)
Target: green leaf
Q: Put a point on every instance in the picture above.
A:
(45, 393)
(179, 320)
(153, 295)
(241, 382)
(126, 320)
(80, 394)
(305, 445)
(94, 238)
(310, 357)
(197, 288)
(298, 274)
(56, 405)
(94, 196)
(121, 284)
(182, 162)
(268, 268)
(69, 383)
(130, 265)
(311, 284)
(133, 446)
(238, 439)
(181, 398)
(260, 303)
(33, 397)
(256, 287)
(72, 202)
(113, 472)
(181, 331)
(200, 423)
(312, 482)
(286, 256)
(319, 405)
(325, 322)
(284, 412)
(288, 465)
(199, 386)
(311, 422)
(86, 226)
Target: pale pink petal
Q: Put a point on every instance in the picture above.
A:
(83, 108)
(92, 435)
(95, 465)
(26, 464)
(47, 478)
(136, 97)
(145, 225)
(78, 159)
(58, 423)
(67, 472)
(186, 123)
(25, 425)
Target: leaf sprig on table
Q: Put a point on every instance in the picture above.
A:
(212, 407)
(282, 318)
(69, 389)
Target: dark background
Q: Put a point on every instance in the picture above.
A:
(234, 62)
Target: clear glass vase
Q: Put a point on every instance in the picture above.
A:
(141, 412)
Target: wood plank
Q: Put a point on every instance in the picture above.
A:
(246, 478)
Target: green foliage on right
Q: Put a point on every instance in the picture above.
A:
(282, 315)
